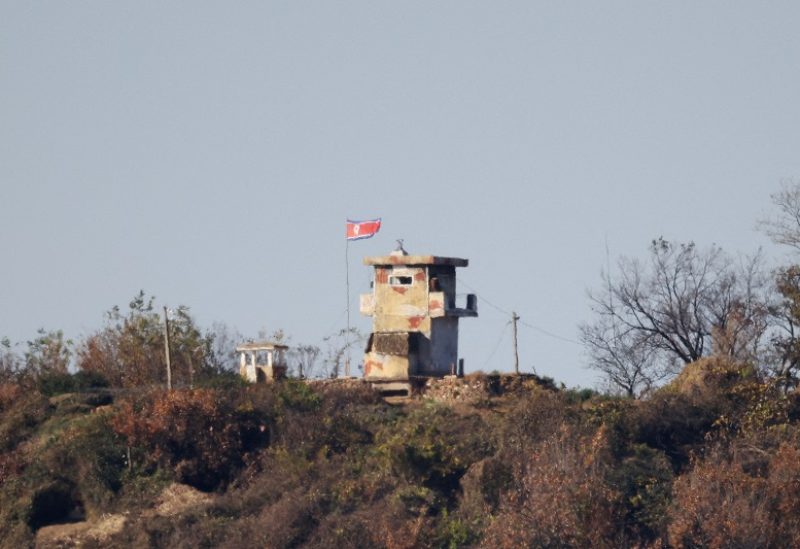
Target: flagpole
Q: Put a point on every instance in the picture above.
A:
(360, 229)
(347, 332)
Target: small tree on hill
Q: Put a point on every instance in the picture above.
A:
(48, 353)
(10, 362)
(129, 350)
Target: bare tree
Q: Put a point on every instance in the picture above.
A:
(275, 336)
(784, 226)
(223, 341)
(624, 357)
(785, 339)
(339, 346)
(743, 312)
(304, 359)
(653, 316)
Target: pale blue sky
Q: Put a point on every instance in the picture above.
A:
(209, 153)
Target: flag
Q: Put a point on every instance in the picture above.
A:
(356, 230)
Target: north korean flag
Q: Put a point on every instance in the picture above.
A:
(356, 230)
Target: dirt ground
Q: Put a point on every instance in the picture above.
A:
(175, 499)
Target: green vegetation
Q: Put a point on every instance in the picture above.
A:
(331, 464)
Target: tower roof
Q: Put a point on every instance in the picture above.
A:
(415, 260)
(261, 346)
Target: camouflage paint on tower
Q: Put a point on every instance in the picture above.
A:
(415, 317)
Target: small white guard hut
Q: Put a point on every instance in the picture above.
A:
(261, 361)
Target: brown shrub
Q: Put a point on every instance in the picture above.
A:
(735, 501)
(22, 418)
(9, 393)
(560, 497)
(711, 376)
(433, 446)
(11, 464)
(285, 523)
(198, 434)
(328, 418)
(482, 486)
(535, 417)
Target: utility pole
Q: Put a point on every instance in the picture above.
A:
(514, 318)
(166, 348)
(191, 371)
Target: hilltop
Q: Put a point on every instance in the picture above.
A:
(488, 461)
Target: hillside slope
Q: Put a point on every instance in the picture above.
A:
(710, 460)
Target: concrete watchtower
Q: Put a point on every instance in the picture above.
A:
(415, 318)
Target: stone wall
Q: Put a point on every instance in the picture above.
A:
(476, 387)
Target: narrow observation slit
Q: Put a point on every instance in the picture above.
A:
(396, 280)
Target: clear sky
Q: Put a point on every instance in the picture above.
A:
(210, 152)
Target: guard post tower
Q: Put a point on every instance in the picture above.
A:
(415, 319)
(262, 361)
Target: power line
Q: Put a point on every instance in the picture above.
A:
(497, 346)
(482, 298)
(510, 313)
(337, 322)
(551, 334)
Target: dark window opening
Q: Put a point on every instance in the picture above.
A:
(396, 280)
(395, 393)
